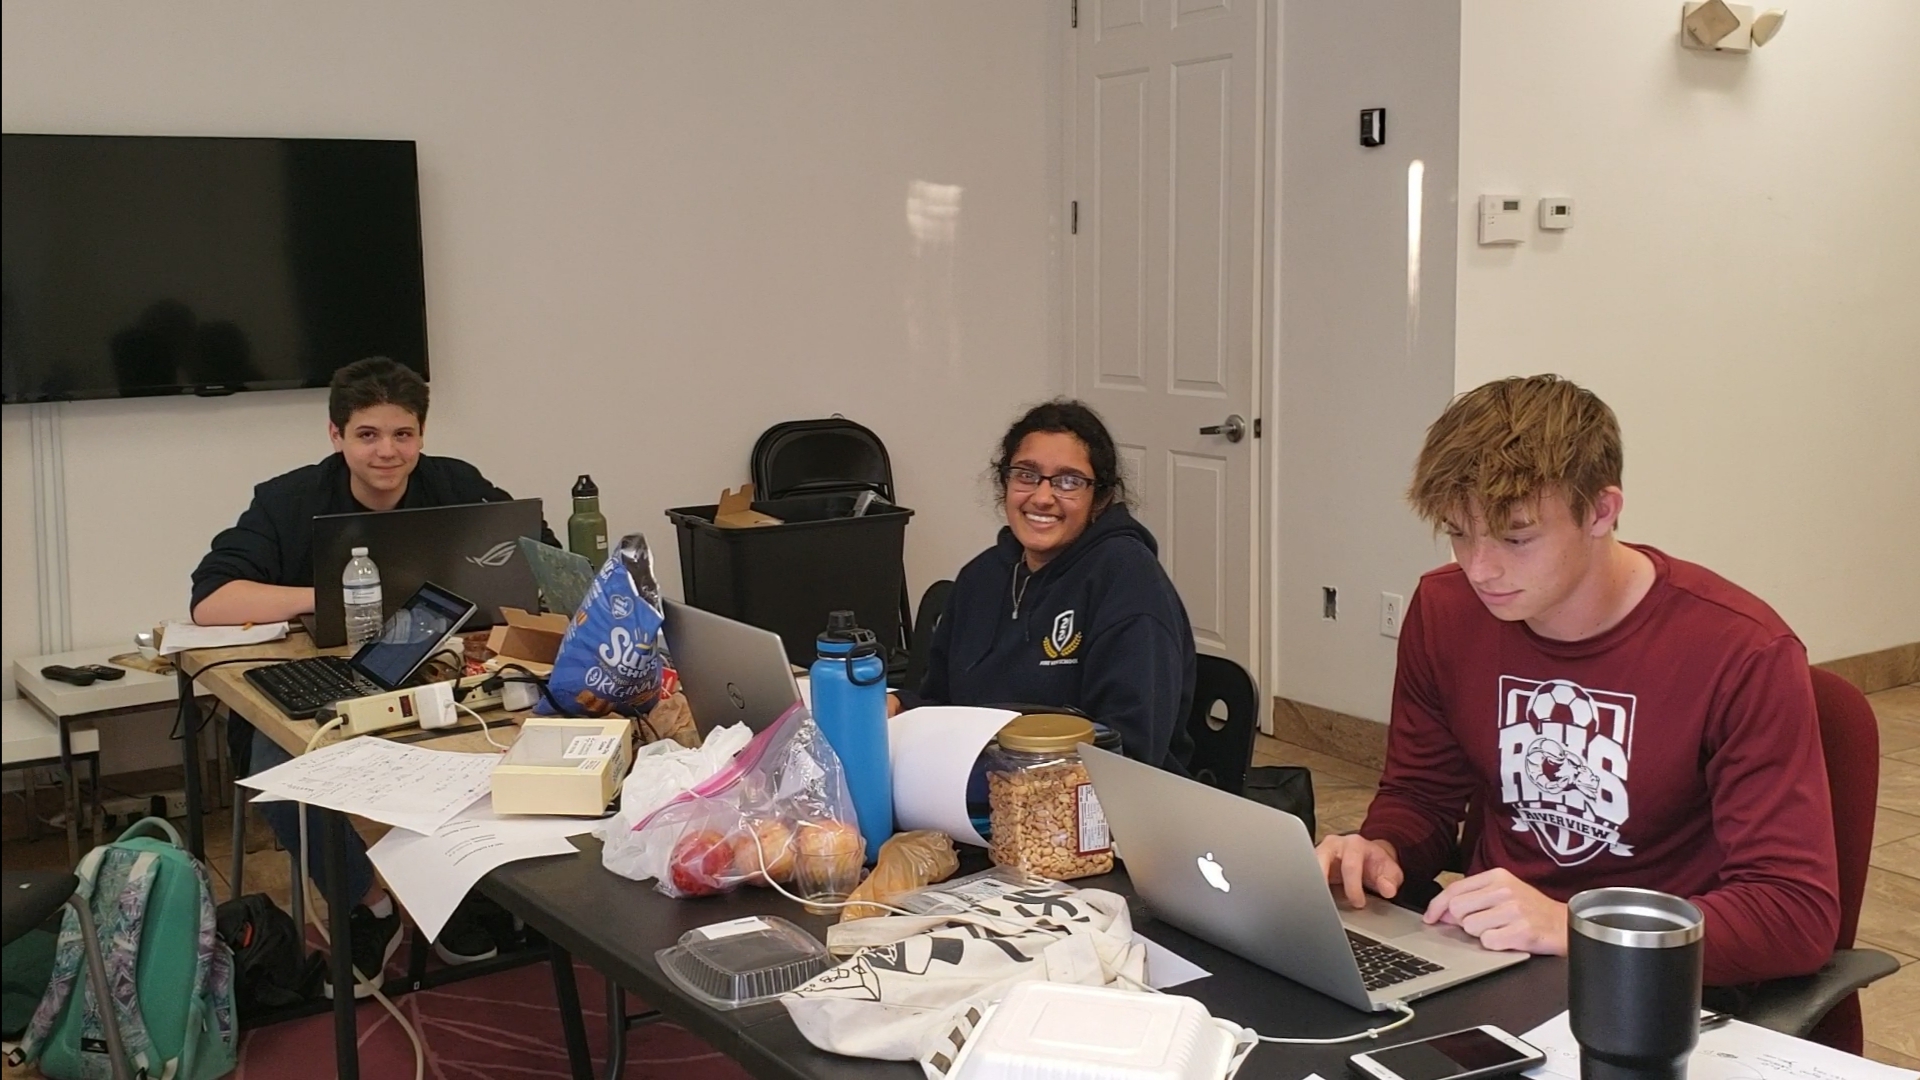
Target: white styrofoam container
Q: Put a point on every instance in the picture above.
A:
(1061, 1031)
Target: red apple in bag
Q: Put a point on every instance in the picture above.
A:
(698, 861)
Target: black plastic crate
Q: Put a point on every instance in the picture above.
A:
(787, 577)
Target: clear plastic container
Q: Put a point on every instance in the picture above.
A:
(1046, 819)
(743, 962)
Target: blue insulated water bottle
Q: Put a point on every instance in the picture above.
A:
(850, 705)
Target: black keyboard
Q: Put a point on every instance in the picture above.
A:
(1382, 965)
(302, 687)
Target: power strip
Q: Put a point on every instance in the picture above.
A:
(430, 706)
(480, 700)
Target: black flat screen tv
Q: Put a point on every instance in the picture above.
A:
(141, 265)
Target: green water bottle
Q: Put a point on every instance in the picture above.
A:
(587, 528)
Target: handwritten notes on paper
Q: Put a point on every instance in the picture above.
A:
(432, 874)
(408, 787)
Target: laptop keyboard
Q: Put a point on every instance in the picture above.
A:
(1382, 965)
(301, 687)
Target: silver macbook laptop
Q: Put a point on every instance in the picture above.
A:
(731, 672)
(1244, 877)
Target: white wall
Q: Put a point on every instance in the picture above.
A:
(1740, 284)
(1365, 342)
(651, 231)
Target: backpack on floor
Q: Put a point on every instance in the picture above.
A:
(269, 970)
(171, 975)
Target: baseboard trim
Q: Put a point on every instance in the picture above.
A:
(1881, 670)
(1364, 742)
(1349, 738)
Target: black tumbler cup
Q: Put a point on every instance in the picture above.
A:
(1633, 983)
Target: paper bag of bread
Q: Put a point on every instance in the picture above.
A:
(908, 861)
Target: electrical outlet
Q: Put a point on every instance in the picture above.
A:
(1329, 602)
(1392, 607)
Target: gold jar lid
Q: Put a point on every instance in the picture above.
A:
(1046, 733)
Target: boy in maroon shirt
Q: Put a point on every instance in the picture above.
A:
(1609, 714)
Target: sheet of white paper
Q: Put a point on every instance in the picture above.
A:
(1167, 968)
(432, 874)
(1738, 1051)
(181, 636)
(408, 787)
(933, 750)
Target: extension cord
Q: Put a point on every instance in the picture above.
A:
(480, 700)
(430, 706)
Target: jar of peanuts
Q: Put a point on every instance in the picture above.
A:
(1046, 818)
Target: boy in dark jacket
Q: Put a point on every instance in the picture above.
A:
(261, 570)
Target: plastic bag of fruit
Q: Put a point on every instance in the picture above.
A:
(746, 822)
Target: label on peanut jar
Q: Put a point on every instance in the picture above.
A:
(1092, 821)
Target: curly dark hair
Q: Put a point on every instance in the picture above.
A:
(1068, 417)
(375, 381)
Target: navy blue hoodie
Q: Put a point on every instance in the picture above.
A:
(1099, 628)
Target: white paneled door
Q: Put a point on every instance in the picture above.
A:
(1166, 267)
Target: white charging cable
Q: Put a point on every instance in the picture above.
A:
(313, 916)
(483, 725)
(991, 922)
(1401, 1007)
(1406, 1017)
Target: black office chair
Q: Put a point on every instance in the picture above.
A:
(933, 605)
(31, 898)
(1222, 749)
(832, 456)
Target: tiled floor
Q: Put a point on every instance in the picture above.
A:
(1889, 916)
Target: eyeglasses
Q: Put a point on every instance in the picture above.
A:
(1020, 478)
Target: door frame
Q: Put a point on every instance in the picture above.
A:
(1062, 182)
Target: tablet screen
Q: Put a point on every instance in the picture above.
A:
(411, 635)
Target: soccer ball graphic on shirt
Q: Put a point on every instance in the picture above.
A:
(1563, 762)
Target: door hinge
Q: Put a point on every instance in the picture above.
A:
(1256, 427)
(1073, 14)
(1073, 218)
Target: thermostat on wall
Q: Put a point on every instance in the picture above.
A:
(1501, 220)
(1556, 213)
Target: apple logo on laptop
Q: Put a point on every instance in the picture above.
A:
(1215, 876)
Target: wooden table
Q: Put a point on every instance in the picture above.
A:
(222, 673)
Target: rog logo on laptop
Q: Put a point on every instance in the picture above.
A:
(497, 555)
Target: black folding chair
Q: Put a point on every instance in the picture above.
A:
(1222, 749)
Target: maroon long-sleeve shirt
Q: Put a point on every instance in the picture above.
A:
(1677, 751)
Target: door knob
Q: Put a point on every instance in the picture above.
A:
(1233, 427)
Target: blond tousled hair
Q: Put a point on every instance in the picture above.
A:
(1498, 448)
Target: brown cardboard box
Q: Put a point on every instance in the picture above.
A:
(526, 638)
(736, 510)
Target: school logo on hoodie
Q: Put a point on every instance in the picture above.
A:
(1563, 765)
(1062, 642)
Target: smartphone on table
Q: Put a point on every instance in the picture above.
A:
(1458, 1055)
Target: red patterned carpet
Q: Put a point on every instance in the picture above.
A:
(502, 1025)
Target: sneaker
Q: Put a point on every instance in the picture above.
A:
(375, 940)
(464, 940)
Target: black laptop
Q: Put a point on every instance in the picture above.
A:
(472, 549)
(423, 626)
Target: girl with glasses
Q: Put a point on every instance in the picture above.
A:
(1070, 607)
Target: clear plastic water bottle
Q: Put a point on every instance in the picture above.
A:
(360, 586)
